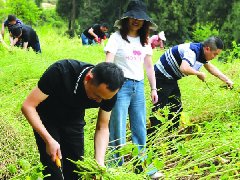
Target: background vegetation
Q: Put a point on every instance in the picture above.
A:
(178, 18)
(207, 144)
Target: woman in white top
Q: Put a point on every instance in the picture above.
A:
(128, 48)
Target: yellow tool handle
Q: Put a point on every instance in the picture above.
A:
(58, 162)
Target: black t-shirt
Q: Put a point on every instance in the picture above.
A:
(63, 106)
(96, 30)
(29, 35)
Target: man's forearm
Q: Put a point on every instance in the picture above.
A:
(2, 30)
(101, 140)
(216, 72)
(2, 34)
(13, 41)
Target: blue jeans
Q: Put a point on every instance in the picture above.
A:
(130, 100)
(86, 41)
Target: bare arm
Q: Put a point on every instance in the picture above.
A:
(151, 77)
(2, 31)
(161, 44)
(29, 111)
(3, 43)
(109, 57)
(101, 138)
(90, 31)
(216, 72)
(13, 41)
(25, 45)
(186, 69)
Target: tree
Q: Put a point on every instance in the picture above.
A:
(25, 10)
(2, 10)
(230, 30)
(38, 3)
(70, 11)
(119, 6)
(175, 17)
(214, 11)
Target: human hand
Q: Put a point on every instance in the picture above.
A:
(102, 168)
(201, 76)
(96, 39)
(53, 150)
(154, 96)
(101, 164)
(229, 83)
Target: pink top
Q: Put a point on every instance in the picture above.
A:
(155, 41)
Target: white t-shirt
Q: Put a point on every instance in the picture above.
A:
(128, 56)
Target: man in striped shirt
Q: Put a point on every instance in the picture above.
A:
(177, 62)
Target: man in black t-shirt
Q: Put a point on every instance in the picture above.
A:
(56, 108)
(94, 34)
(28, 36)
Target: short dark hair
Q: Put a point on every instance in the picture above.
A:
(109, 74)
(105, 25)
(11, 18)
(16, 30)
(214, 43)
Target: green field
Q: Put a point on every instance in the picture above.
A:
(207, 146)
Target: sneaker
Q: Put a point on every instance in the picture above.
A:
(157, 175)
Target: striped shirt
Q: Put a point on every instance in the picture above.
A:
(169, 63)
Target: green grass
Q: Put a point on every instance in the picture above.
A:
(206, 148)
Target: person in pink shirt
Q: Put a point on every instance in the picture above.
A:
(157, 40)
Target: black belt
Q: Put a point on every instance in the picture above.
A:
(128, 79)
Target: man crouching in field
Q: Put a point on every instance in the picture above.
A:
(180, 61)
(56, 107)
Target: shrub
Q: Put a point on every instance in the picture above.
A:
(49, 16)
(202, 32)
(25, 10)
(230, 55)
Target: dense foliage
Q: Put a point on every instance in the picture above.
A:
(181, 20)
(26, 10)
(178, 19)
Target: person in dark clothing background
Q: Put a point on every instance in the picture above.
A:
(27, 35)
(94, 34)
(9, 22)
(56, 108)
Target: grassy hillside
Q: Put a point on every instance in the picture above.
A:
(207, 146)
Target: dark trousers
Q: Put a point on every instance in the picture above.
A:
(168, 95)
(36, 47)
(71, 140)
